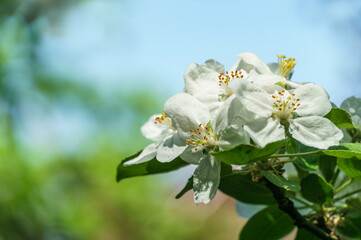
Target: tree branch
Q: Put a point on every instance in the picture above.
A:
(286, 205)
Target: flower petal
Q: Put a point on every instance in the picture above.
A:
(171, 148)
(232, 136)
(147, 154)
(186, 112)
(255, 99)
(155, 132)
(231, 112)
(265, 130)
(313, 99)
(206, 179)
(201, 81)
(191, 157)
(249, 61)
(315, 131)
(267, 82)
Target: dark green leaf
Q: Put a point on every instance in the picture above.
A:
(340, 117)
(303, 234)
(304, 163)
(270, 223)
(246, 153)
(327, 165)
(352, 167)
(354, 204)
(147, 168)
(315, 189)
(351, 227)
(280, 181)
(242, 188)
(345, 150)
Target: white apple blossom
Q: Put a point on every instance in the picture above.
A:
(205, 132)
(300, 110)
(167, 143)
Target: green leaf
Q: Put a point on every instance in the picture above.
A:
(280, 181)
(354, 204)
(303, 234)
(352, 167)
(147, 168)
(270, 223)
(327, 166)
(351, 227)
(242, 188)
(245, 153)
(340, 117)
(225, 170)
(304, 163)
(345, 150)
(315, 189)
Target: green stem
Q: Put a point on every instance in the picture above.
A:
(296, 154)
(348, 183)
(347, 195)
(284, 161)
(303, 202)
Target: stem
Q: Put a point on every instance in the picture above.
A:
(303, 202)
(343, 186)
(286, 205)
(284, 161)
(347, 195)
(296, 154)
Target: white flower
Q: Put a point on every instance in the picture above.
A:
(271, 77)
(300, 110)
(167, 143)
(205, 132)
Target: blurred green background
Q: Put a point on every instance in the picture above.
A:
(78, 79)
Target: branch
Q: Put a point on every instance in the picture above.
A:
(286, 205)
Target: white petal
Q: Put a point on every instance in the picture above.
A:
(147, 154)
(201, 81)
(249, 61)
(265, 130)
(190, 156)
(315, 131)
(155, 131)
(206, 179)
(313, 99)
(252, 97)
(171, 148)
(231, 112)
(186, 113)
(232, 136)
(267, 82)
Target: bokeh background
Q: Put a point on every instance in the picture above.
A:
(79, 78)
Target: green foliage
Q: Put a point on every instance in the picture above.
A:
(246, 153)
(270, 223)
(340, 117)
(281, 181)
(305, 235)
(146, 168)
(345, 150)
(327, 166)
(242, 188)
(315, 189)
(351, 226)
(352, 167)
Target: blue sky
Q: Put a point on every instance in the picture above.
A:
(129, 44)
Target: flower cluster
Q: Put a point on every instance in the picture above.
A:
(251, 103)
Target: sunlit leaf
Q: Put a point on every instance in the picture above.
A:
(280, 181)
(246, 153)
(340, 117)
